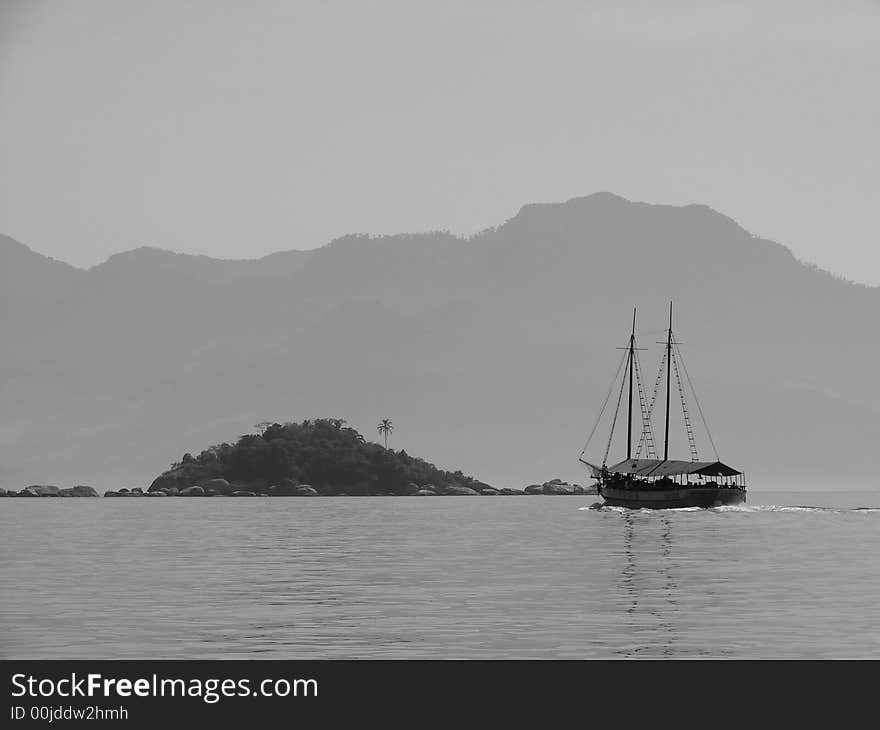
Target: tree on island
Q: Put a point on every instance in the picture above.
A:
(385, 428)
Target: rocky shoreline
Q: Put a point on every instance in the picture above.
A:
(289, 488)
(218, 487)
(49, 490)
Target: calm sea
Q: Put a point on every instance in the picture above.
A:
(789, 575)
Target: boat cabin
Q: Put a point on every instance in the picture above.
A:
(647, 473)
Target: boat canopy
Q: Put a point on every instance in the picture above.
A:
(670, 468)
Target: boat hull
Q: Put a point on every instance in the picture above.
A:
(673, 498)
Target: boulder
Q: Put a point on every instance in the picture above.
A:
(111, 493)
(557, 486)
(489, 492)
(44, 490)
(79, 491)
(425, 493)
(188, 473)
(192, 492)
(157, 493)
(534, 489)
(174, 478)
(480, 486)
(508, 491)
(241, 493)
(2, 492)
(171, 491)
(305, 490)
(27, 492)
(456, 490)
(138, 490)
(287, 488)
(411, 488)
(123, 491)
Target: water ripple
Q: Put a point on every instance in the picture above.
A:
(536, 577)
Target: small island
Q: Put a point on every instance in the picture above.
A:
(323, 457)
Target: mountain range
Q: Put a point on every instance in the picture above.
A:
(490, 353)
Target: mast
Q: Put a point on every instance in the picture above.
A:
(629, 426)
(668, 383)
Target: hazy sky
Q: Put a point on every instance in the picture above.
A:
(235, 129)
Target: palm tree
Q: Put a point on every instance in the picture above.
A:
(385, 427)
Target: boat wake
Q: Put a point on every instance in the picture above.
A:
(751, 508)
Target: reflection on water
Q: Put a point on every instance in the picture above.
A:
(451, 578)
(653, 622)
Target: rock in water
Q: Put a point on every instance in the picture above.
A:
(425, 493)
(480, 486)
(535, 489)
(306, 490)
(80, 490)
(514, 492)
(217, 486)
(456, 490)
(192, 492)
(242, 493)
(41, 490)
(557, 486)
(287, 488)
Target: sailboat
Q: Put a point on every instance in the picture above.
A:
(652, 482)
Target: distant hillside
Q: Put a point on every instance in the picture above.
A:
(491, 353)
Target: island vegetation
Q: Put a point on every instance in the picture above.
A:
(319, 457)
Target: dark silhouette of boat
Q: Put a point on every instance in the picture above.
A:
(653, 482)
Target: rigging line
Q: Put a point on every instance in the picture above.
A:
(647, 436)
(657, 382)
(695, 456)
(697, 401)
(642, 406)
(604, 404)
(614, 422)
